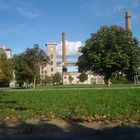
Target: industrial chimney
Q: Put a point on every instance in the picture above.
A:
(64, 48)
(128, 21)
(64, 58)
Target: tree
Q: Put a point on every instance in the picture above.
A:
(56, 80)
(34, 58)
(47, 80)
(83, 77)
(6, 69)
(28, 63)
(23, 73)
(110, 51)
(71, 79)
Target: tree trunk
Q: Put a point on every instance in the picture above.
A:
(108, 82)
(34, 82)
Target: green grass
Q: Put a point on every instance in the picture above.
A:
(69, 103)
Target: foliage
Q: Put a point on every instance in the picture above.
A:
(23, 72)
(56, 79)
(81, 104)
(71, 79)
(119, 79)
(47, 80)
(110, 51)
(83, 77)
(6, 70)
(28, 63)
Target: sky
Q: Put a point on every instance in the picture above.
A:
(24, 23)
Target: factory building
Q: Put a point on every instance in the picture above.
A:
(51, 68)
(92, 79)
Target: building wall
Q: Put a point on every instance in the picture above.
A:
(51, 68)
(92, 79)
(7, 51)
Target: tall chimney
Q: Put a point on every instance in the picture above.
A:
(64, 48)
(128, 21)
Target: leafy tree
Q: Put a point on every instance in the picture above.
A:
(28, 63)
(110, 51)
(47, 80)
(83, 77)
(6, 70)
(34, 58)
(71, 79)
(23, 73)
(56, 79)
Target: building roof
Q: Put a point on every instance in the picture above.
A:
(51, 44)
(7, 49)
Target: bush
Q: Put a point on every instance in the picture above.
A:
(119, 80)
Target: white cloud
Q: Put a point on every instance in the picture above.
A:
(28, 12)
(25, 9)
(71, 48)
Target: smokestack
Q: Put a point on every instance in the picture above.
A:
(128, 21)
(64, 48)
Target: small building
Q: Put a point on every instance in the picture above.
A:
(92, 79)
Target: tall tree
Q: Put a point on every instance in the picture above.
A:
(28, 63)
(110, 51)
(23, 73)
(6, 69)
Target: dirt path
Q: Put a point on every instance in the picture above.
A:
(60, 130)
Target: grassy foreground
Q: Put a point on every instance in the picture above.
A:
(91, 104)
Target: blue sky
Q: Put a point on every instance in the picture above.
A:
(26, 22)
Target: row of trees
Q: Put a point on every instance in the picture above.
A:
(110, 52)
(57, 79)
(25, 69)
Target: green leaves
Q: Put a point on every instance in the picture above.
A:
(6, 70)
(28, 63)
(109, 51)
(83, 77)
(56, 79)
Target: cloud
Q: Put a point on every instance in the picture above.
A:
(71, 48)
(25, 9)
(28, 12)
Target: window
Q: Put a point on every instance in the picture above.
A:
(52, 69)
(51, 55)
(51, 62)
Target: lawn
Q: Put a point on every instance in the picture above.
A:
(71, 103)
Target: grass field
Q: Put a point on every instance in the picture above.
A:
(74, 102)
